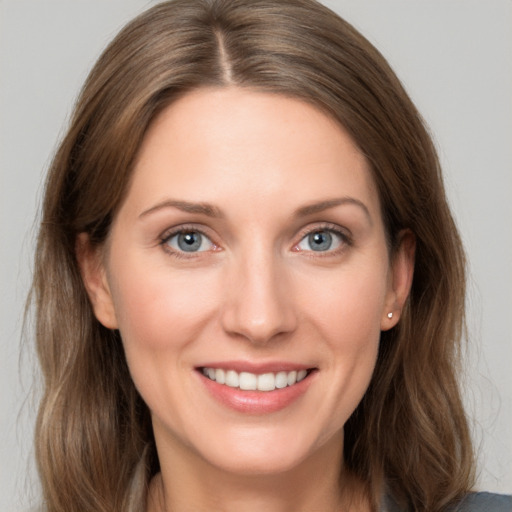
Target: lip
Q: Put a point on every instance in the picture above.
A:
(256, 402)
(252, 367)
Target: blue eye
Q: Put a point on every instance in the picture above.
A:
(321, 240)
(189, 241)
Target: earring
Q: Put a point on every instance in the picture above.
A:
(390, 315)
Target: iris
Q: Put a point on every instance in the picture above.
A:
(189, 242)
(320, 241)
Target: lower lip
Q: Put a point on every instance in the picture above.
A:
(257, 402)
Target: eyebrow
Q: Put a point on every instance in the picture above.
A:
(199, 208)
(321, 206)
(212, 211)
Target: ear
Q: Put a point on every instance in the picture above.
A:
(401, 274)
(94, 276)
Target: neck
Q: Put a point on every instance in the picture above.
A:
(318, 483)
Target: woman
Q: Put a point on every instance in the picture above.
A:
(249, 285)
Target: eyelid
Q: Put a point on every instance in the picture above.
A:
(185, 228)
(343, 233)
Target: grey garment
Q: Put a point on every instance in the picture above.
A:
(474, 502)
(477, 501)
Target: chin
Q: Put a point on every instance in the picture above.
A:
(265, 453)
(258, 465)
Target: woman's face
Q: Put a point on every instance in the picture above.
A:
(249, 252)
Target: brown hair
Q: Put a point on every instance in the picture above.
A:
(94, 443)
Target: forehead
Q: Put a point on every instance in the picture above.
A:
(219, 144)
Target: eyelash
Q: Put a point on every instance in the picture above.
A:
(168, 235)
(344, 236)
(346, 240)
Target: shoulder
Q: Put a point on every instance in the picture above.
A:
(472, 502)
(484, 501)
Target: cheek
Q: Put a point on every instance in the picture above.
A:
(160, 315)
(352, 328)
(348, 301)
(158, 309)
(347, 314)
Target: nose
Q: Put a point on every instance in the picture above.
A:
(258, 300)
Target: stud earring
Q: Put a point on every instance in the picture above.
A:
(390, 315)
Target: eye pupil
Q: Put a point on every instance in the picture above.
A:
(189, 242)
(320, 241)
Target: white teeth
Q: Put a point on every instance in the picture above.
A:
(301, 375)
(251, 382)
(232, 379)
(248, 381)
(220, 376)
(281, 380)
(292, 378)
(266, 382)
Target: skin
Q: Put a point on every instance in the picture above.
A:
(256, 292)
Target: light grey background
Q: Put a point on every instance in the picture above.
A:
(455, 58)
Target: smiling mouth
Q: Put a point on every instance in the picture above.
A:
(247, 381)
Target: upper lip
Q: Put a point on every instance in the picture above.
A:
(256, 367)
